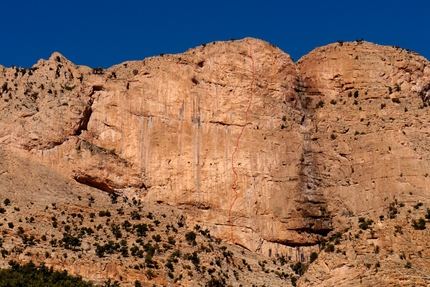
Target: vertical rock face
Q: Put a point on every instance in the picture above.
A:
(368, 152)
(328, 138)
(175, 122)
(368, 128)
(164, 129)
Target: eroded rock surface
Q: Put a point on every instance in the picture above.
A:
(165, 129)
(368, 133)
(336, 136)
(368, 138)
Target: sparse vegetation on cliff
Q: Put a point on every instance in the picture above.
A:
(31, 275)
(157, 134)
(150, 243)
(419, 224)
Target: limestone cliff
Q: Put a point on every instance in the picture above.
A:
(165, 128)
(335, 136)
(368, 138)
(368, 133)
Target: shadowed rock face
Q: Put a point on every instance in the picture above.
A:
(368, 133)
(318, 148)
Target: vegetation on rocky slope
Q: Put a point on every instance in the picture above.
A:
(134, 243)
(333, 167)
(31, 275)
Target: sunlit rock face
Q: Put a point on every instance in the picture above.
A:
(368, 130)
(327, 138)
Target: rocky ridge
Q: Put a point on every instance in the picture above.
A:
(334, 137)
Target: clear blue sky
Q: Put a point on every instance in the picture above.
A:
(105, 33)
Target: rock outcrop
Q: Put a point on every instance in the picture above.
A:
(333, 137)
(368, 132)
(164, 129)
(368, 139)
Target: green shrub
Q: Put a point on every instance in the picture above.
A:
(320, 104)
(103, 213)
(109, 283)
(141, 229)
(329, 248)
(110, 248)
(193, 258)
(127, 225)
(313, 257)
(116, 231)
(98, 71)
(30, 275)
(70, 242)
(428, 213)
(191, 238)
(419, 224)
(364, 223)
(171, 240)
(113, 196)
(214, 282)
(392, 210)
(135, 215)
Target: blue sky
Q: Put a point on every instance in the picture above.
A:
(105, 33)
